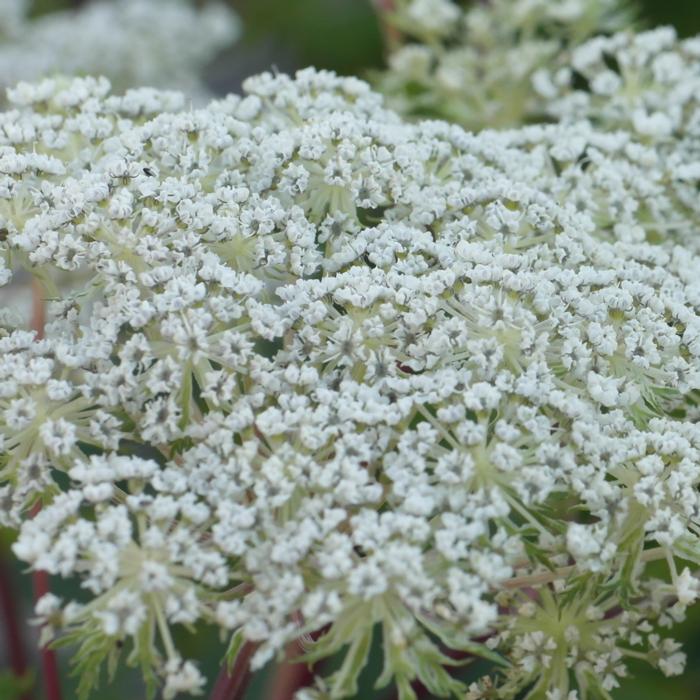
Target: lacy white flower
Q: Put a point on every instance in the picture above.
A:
(314, 366)
(637, 182)
(475, 63)
(644, 83)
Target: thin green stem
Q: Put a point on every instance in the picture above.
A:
(546, 577)
(164, 630)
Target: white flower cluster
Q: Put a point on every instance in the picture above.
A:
(473, 63)
(645, 83)
(159, 43)
(634, 163)
(317, 366)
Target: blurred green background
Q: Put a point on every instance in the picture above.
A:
(342, 35)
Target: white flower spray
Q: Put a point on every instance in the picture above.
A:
(476, 63)
(315, 367)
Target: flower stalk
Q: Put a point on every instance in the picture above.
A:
(391, 33)
(13, 633)
(290, 676)
(231, 684)
(42, 585)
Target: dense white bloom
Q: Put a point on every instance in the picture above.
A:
(635, 186)
(314, 365)
(645, 83)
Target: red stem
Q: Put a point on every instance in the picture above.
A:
(49, 664)
(385, 5)
(13, 633)
(232, 685)
(289, 676)
(392, 36)
(38, 310)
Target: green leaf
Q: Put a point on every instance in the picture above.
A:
(13, 687)
(341, 633)
(388, 669)
(417, 658)
(626, 584)
(430, 663)
(396, 663)
(455, 638)
(687, 547)
(344, 681)
(145, 656)
(88, 660)
(536, 554)
(403, 685)
(234, 648)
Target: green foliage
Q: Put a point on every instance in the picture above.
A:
(13, 687)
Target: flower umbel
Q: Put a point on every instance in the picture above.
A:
(314, 368)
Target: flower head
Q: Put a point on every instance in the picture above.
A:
(313, 365)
